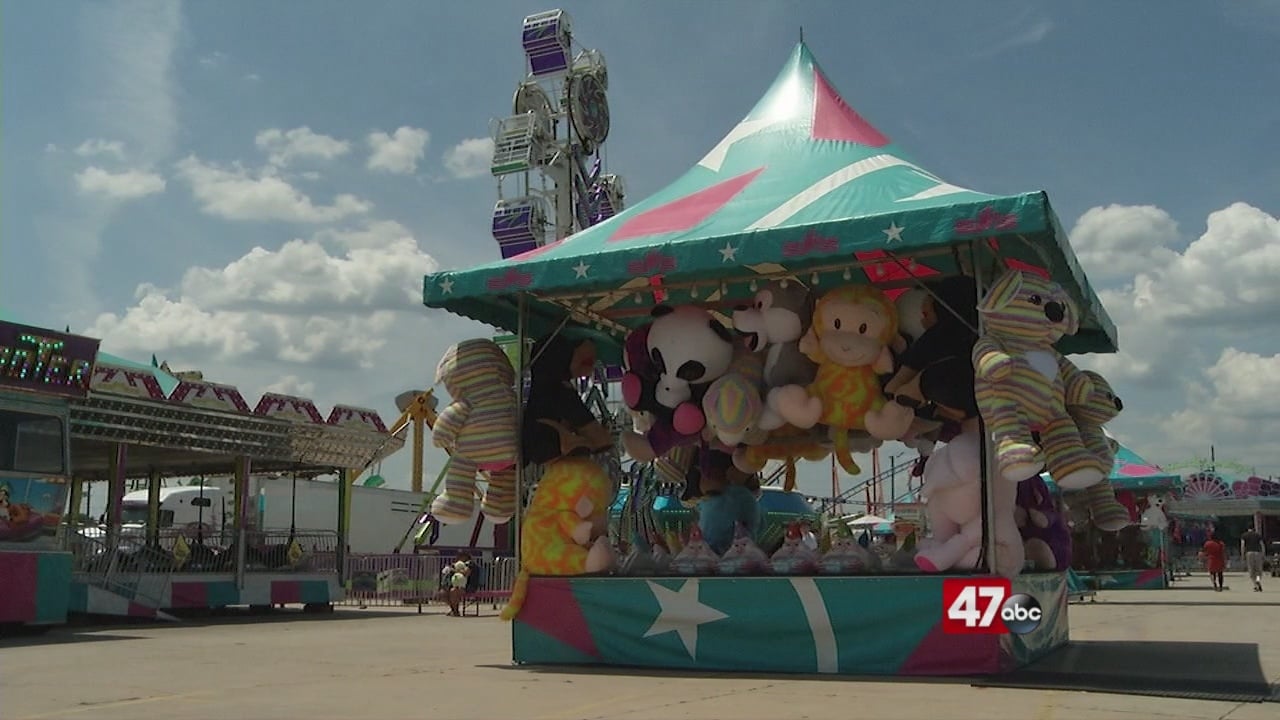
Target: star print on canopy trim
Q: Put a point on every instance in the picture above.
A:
(833, 119)
(686, 212)
(552, 609)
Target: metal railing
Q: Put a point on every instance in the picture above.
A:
(125, 567)
(397, 580)
(185, 551)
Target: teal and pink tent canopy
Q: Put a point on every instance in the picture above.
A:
(803, 185)
(1131, 472)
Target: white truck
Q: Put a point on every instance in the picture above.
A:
(379, 517)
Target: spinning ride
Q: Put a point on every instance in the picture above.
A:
(804, 191)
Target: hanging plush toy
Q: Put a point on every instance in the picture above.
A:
(1020, 387)
(479, 429)
(1092, 404)
(953, 495)
(686, 349)
(773, 325)
(556, 421)
(564, 529)
(853, 327)
(1045, 534)
(733, 407)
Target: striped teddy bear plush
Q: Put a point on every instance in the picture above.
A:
(480, 431)
(1092, 407)
(1021, 380)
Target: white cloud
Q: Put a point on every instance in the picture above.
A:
(399, 152)
(1199, 331)
(213, 59)
(126, 185)
(470, 158)
(98, 146)
(285, 146)
(125, 83)
(292, 385)
(236, 193)
(253, 77)
(334, 300)
(1119, 241)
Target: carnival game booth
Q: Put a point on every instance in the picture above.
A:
(141, 421)
(42, 372)
(1123, 540)
(807, 209)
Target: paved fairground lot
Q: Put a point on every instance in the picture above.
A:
(379, 663)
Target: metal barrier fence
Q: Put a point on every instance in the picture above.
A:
(311, 551)
(397, 580)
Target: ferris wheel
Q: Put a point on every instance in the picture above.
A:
(547, 155)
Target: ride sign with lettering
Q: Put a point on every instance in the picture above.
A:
(44, 361)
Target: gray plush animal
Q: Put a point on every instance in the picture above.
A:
(775, 321)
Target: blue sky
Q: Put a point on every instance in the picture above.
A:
(150, 147)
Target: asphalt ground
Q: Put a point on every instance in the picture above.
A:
(389, 663)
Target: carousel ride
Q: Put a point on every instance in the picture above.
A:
(802, 292)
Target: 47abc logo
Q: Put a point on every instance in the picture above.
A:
(987, 606)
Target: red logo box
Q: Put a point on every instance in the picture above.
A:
(971, 606)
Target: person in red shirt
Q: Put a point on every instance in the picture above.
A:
(1215, 560)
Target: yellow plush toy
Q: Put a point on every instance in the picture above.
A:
(852, 331)
(564, 530)
(1021, 380)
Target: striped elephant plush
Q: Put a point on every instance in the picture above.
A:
(479, 429)
(1021, 380)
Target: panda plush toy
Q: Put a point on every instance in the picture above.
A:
(685, 350)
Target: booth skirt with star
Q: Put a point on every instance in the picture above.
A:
(840, 625)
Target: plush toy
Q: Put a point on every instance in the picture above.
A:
(696, 557)
(849, 339)
(846, 556)
(479, 430)
(794, 557)
(719, 514)
(1153, 517)
(564, 530)
(1092, 404)
(911, 316)
(686, 349)
(953, 495)
(773, 324)
(743, 557)
(1020, 387)
(1045, 535)
(556, 421)
(732, 404)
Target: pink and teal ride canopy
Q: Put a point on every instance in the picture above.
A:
(804, 185)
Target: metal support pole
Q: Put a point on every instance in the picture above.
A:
(521, 309)
(241, 495)
(346, 477)
(153, 507)
(74, 504)
(116, 470)
(987, 459)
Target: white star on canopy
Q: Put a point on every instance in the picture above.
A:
(681, 613)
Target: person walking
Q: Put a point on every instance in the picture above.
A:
(1251, 548)
(1214, 553)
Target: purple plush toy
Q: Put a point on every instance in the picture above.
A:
(1045, 534)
